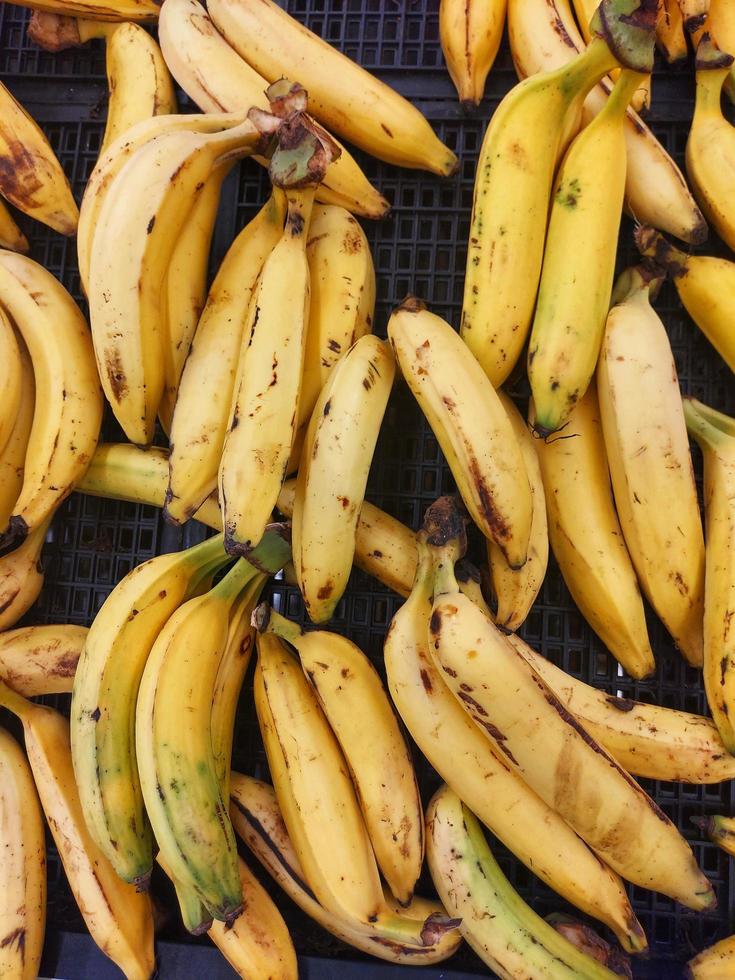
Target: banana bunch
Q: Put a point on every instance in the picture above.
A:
(470, 36)
(37, 660)
(715, 963)
(650, 461)
(585, 11)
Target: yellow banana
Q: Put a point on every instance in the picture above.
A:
(362, 109)
(714, 963)
(579, 263)
(336, 458)
(650, 462)
(720, 25)
(10, 234)
(694, 13)
(141, 11)
(118, 917)
(465, 758)
(470, 36)
(470, 424)
(22, 866)
(21, 576)
(710, 150)
(515, 590)
(359, 713)
(203, 403)
(258, 821)
(68, 405)
(31, 177)
(38, 660)
(13, 456)
(217, 79)
(587, 539)
(544, 36)
(11, 379)
(670, 37)
(585, 11)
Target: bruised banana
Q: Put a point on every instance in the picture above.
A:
(470, 36)
(37, 660)
(13, 456)
(217, 79)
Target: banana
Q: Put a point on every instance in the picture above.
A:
(470, 36)
(710, 150)
(205, 392)
(31, 177)
(21, 576)
(465, 758)
(587, 539)
(515, 590)
(585, 11)
(694, 13)
(13, 456)
(68, 405)
(104, 697)
(10, 234)
(265, 398)
(720, 25)
(670, 37)
(505, 933)
(543, 36)
(22, 866)
(37, 660)
(118, 917)
(217, 79)
(715, 435)
(11, 379)
(362, 718)
(551, 750)
(720, 830)
(650, 462)
(336, 458)
(714, 963)
(140, 11)
(645, 739)
(470, 424)
(579, 263)
(361, 108)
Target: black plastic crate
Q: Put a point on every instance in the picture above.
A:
(420, 248)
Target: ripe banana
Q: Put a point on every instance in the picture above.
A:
(587, 539)
(22, 866)
(265, 398)
(670, 37)
(470, 36)
(650, 462)
(715, 435)
(118, 917)
(362, 109)
(515, 590)
(362, 718)
(10, 234)
(694, 13)
(141, 11)
(720, 25)
(544, 36)
(336, 458)
(13, 456)
(21, 576)
(714, 963)
(217, 79)
(571, 772)
(710, 150)
(37, 660)
(585, 11)
(505, 933)
(68, 405)
(465, 758)
(470, 424)
(105, 691)
(31, 177)
(203, 404)
(258, 821)
(11, 378)
(579, 263)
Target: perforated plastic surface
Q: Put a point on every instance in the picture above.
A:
(420, 248)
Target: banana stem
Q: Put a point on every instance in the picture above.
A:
(241, 573)
(273, 550)
(445, 581)
(267, 620)
(14, 702)
(711, 429)
(636, 282)
(628, 27)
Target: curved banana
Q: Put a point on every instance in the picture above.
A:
(470, 36)
(11, 379)
(714, 963)
(543, 36)
(21, 576)
(37, 660)
(141, 11)
(505, 933)
(104, 697)
(670, 37)
(10, 234)
(720, 25)
(202, 408)
(336, 458)
(258, 821)
(710, 150)
(13, 456)
(362, 718)
(585, 11)
(22, 866)
(587, 539)
(694, 13)
(31, 177)
(361, 108)
(265, 397)
(465, 758)
(470, 424)
(118, 917)
(579, 263)
(217, 79)
(650, 462)
(515, 590)
(68, 406)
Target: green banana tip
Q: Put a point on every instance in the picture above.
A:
(445, 522)
(628, 27)
(709, 57)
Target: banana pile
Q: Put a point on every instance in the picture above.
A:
(269, 389)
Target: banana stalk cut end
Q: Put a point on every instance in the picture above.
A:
(628, 27)
(709, 56)
(53, 32)
(659, 253)
(445, 522)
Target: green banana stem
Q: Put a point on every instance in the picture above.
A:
(266, 620)
(711, 429)
(230, 587)
(273, 551)
(629, 29)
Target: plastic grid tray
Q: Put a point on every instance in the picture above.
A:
(419, 248)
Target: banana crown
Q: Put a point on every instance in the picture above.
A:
(629, 29)
(659, 253)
